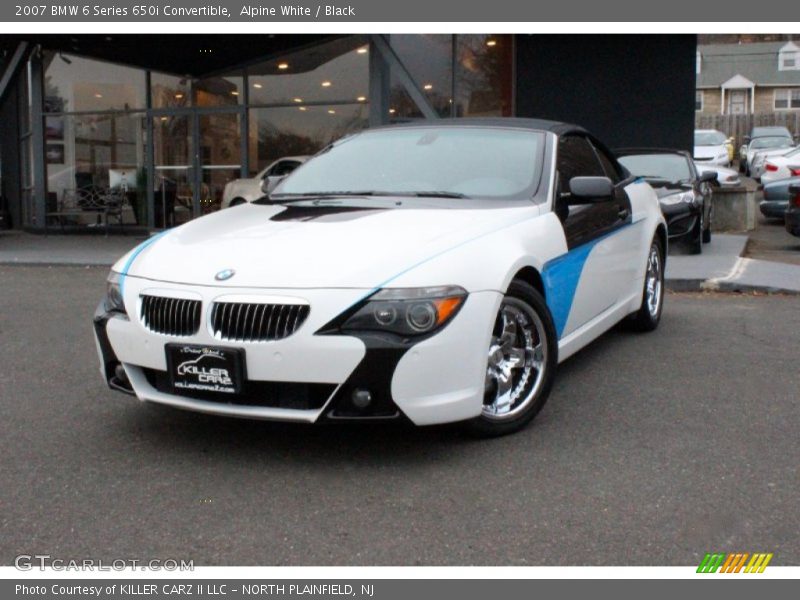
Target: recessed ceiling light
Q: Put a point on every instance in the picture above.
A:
(326, 84)
(303, 108)
(179, 96)
(258, 86)
(428, 86)
(283, 66)
(392, 111)
(297, 99)
(331, 111)
(163, 118)
(234, 93)
(362, 50)
(98, 95)
(491, 43)
(362, 98)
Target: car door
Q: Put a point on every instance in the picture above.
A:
(599, 254)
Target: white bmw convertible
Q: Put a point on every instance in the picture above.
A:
(430, 272)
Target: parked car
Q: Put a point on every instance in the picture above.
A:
(725, 177)
(711, 147)
(776, 198)
(239, 191)
(760, 158)
(761, 132)
(776, 144)
(793, 211)
(683, 192)
(780, 167)
(442, 287)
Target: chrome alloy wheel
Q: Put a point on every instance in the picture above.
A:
(517, 356)
(653, 281)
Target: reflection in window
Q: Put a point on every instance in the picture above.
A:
(483, 77)
(76, 84)
(170, 91)
(219, 91)
(337, 71)
(299, 131)
(429, 61)
(87, 155)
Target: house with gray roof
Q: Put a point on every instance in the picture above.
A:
(741, 79)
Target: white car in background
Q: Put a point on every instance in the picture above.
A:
(431, 272)
(240, 191)
(782, 166)
(725, 177)
(711, 148)
(782, 139)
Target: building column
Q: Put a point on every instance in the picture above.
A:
(379, 87)
(39, 166)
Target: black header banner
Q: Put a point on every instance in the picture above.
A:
(265, 11)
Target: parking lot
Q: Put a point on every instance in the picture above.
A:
(653, 449)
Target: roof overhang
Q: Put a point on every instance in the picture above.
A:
(738, 82)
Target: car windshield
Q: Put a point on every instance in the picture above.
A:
(771, 142)
(447, 162)
(669, 167)
(769, 132)
(709, 138)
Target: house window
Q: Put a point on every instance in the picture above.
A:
(787, 99)
(789, 61)
(698, 101)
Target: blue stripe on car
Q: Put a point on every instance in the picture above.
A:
(561, 275)
(136, 252)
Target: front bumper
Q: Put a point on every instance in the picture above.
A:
(681, 219)
(309, 377)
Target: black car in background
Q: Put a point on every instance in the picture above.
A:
(683, 192)
(793, 210)
(776, 198)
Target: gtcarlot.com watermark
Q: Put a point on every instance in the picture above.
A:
(42, 562)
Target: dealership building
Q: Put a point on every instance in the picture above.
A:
(142, 132)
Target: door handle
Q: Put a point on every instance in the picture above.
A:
(623, 213)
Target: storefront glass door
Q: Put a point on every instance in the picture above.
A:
(173, 177)
(220, 156)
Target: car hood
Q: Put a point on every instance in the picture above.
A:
(358, 244)
(769, 152)
(710, 151)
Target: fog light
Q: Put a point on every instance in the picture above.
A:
(361, 398)
(121, 376)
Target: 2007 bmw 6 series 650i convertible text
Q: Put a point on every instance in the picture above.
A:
(434, 272)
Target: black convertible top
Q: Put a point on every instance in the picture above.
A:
(507, 122)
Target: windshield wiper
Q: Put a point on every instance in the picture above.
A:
(433, 194)
(296, 196)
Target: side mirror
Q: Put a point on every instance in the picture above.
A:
(270, 182)
(708, 176)
(746, 139)
(584, 190)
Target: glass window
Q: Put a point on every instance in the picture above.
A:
(337, 71)
(781, 99)
(576, 158)
(663, 166)
(169, 91)
(470, 161)
(609, 166)
(88, 156)
(483, 77)
(698, 100)
(76, 84)
(219, 91)
(299, 130)
(429, 61)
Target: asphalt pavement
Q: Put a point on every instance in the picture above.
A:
(653, 449)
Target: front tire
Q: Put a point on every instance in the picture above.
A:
(521, 364)
(648, 316)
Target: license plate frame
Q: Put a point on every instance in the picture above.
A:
(205, 369)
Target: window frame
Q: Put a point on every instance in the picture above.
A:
(792, 102)
(702, 96)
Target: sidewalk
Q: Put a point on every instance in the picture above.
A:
(721, 267)
(20, 248)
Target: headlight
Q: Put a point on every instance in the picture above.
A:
(113, 300)
(724, 155)
(408, 311)
(683, 197)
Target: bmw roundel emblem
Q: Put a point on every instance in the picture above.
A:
(224, 274)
